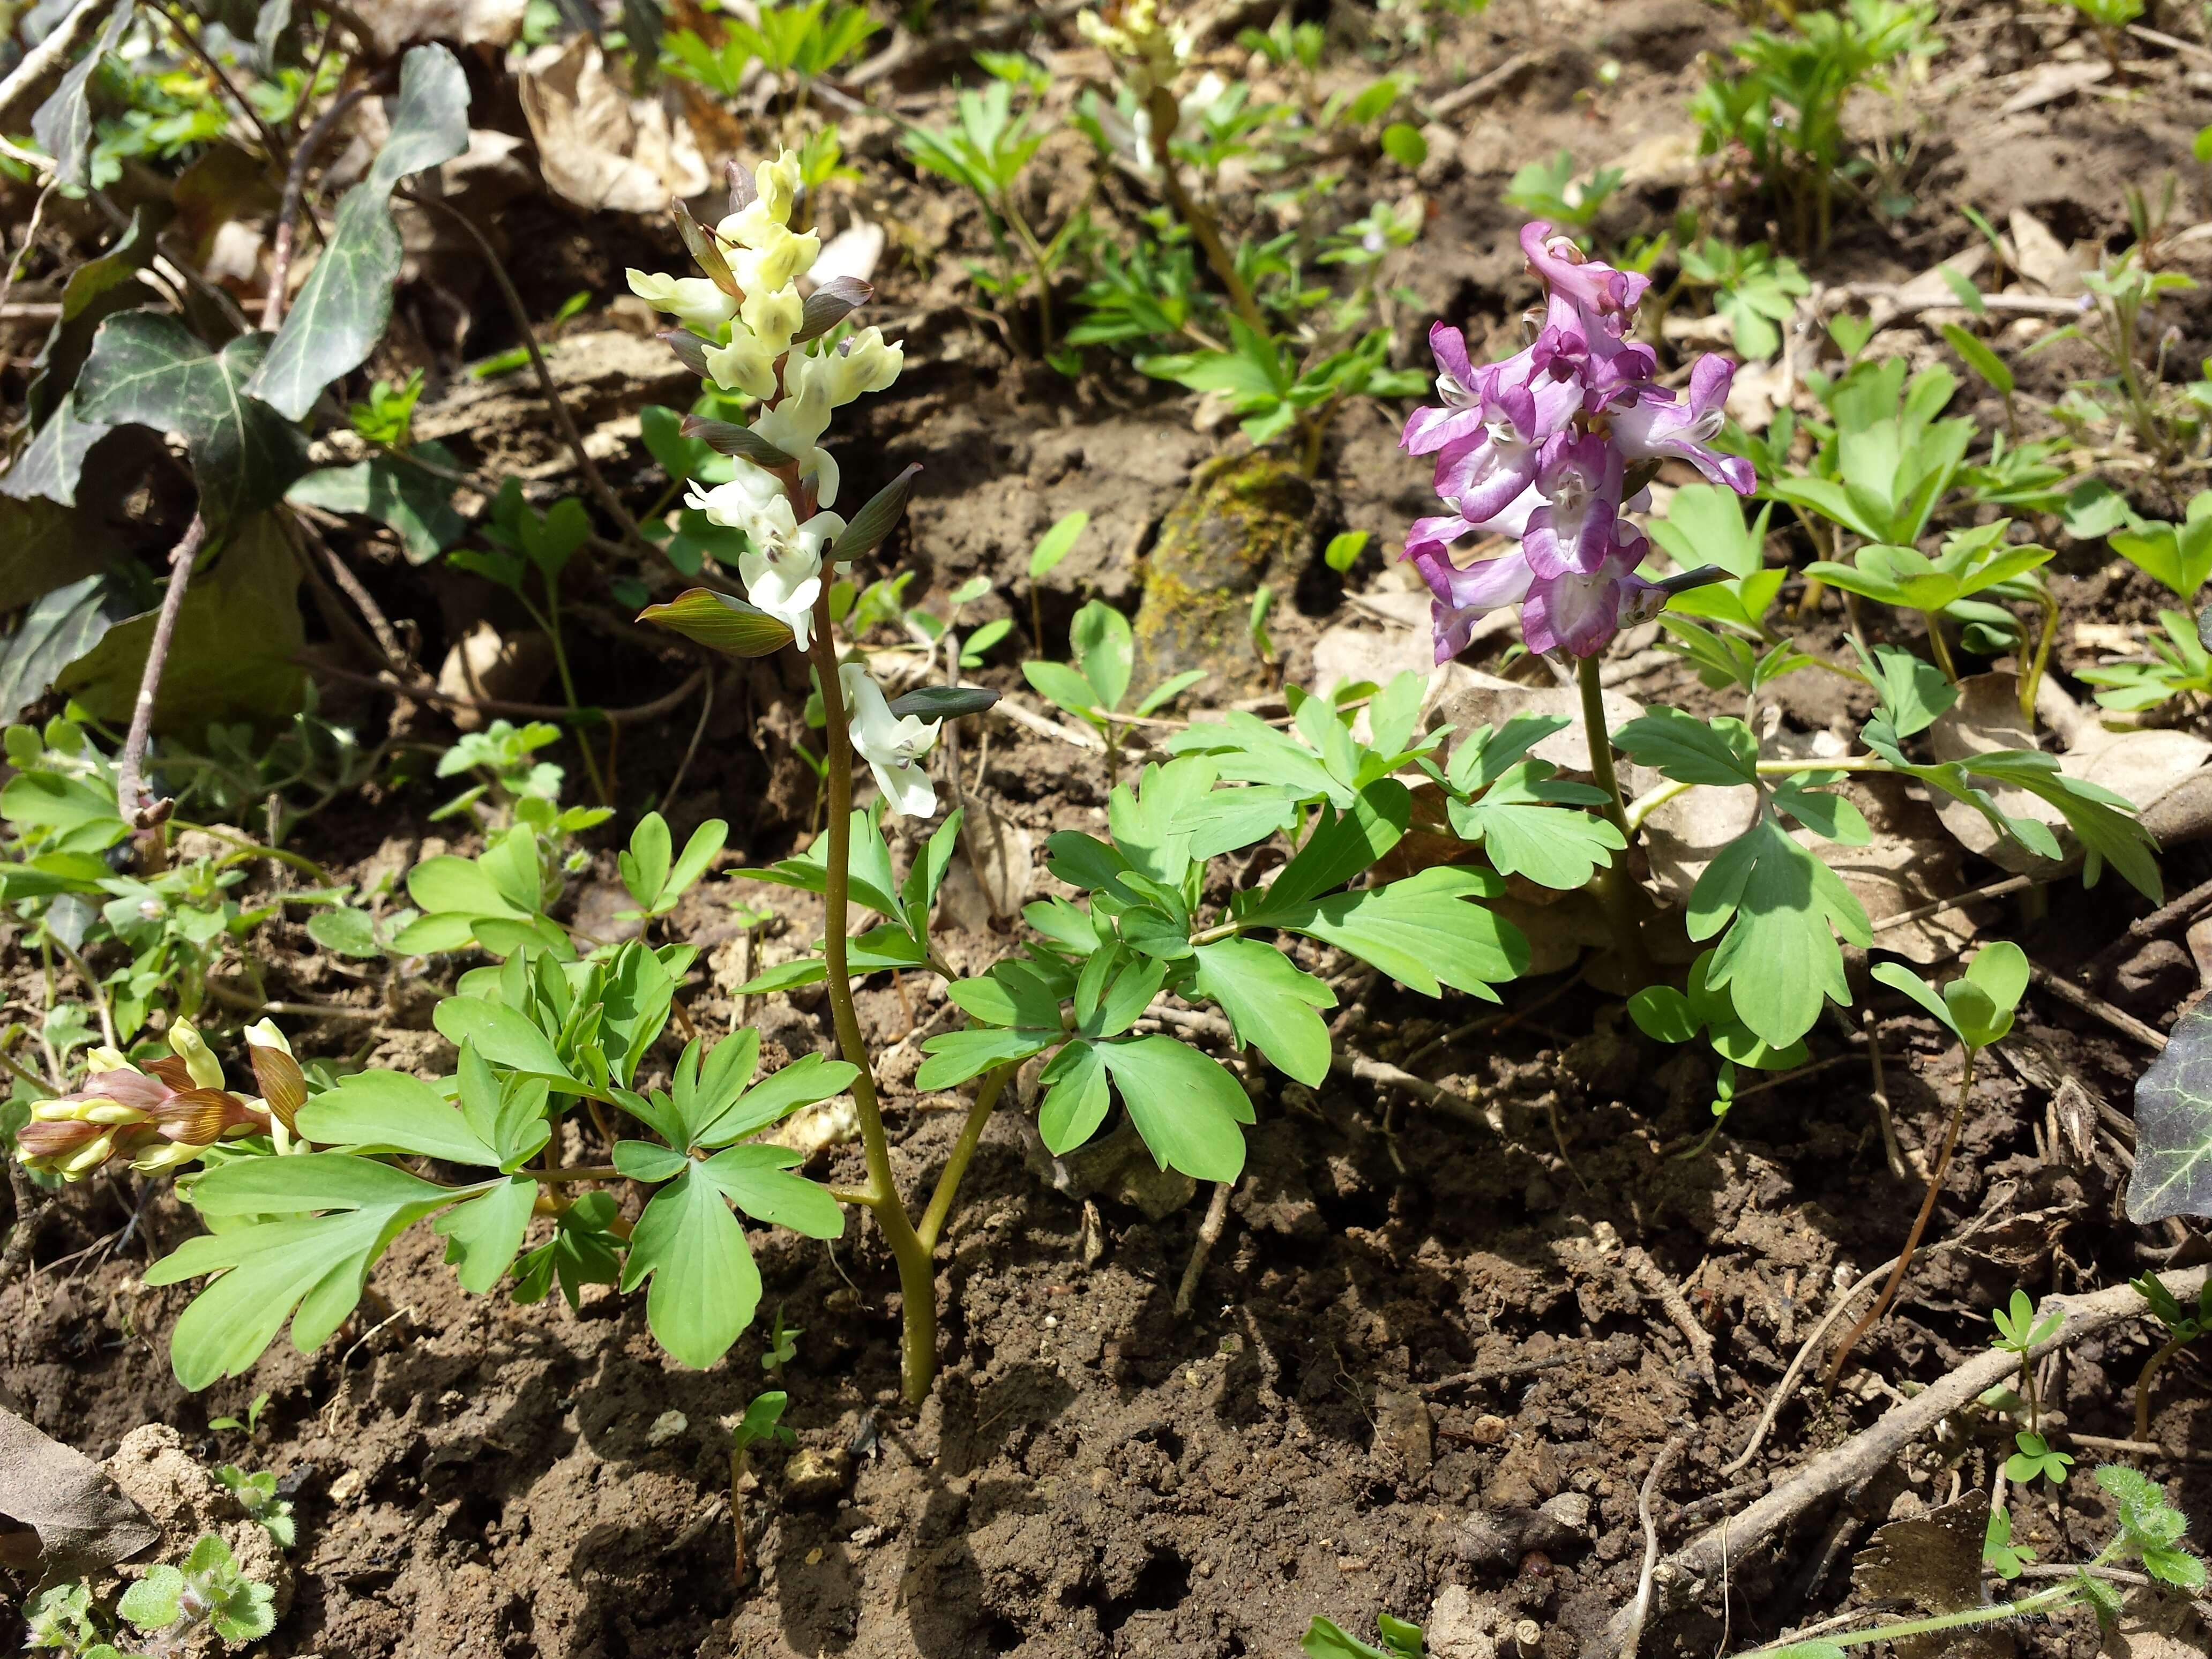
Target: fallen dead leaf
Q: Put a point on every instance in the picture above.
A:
(486, 664)
(2052, 82)
(989, 877)
(854, 251)
(2041, 257)
(397, 23)
(599, 149)
(60, 1518)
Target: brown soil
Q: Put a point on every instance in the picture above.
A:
(1418, 1378)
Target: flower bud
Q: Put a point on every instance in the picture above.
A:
(695, 301)
(781, 258)
(745, 365)
(284, 1087)
(206, 1070)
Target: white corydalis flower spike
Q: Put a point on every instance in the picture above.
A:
(893, 745)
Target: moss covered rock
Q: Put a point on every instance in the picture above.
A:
(1244, 520)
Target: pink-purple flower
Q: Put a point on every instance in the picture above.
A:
(1539, 448)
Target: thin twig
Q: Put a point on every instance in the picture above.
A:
(2066, 991)
(594, 479)
(536, 711)
(288, 209)
(1209, 1234)
(698, 731)
(1655, 1284)
(2182, 909)
(132, 798)
(1922, 912)
(1641, 1607)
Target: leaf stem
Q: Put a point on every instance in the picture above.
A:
(1615, 891)
(971, 1131)
(594, 1172)
(132, 798)
(2151, 1370)
(917, 1279)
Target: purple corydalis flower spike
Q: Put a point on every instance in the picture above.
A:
(1579, 476)
(1563, 268)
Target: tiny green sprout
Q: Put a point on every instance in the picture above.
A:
(208, 1590)
(1256, 624)
(258, 1493)
(2182, 1327)
(253, 1424)
(1344, 549)
(763, 1422)
(1055, 545)
(2004, 1557)
(1091, 687)
(2035, 1457)
(60, 1616)
(782, 1344)
(1326, 1639)
(2019, 1331)
(388, 417)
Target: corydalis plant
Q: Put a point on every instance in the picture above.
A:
(1550, 448)
(751, 331)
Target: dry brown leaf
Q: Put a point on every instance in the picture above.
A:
(854, 251)
(397, 23)
(2041, 257)
(599, 149)
(60, 1518)
(501, 668)
(1933, 1563)
(2052, 82)
(989, 877)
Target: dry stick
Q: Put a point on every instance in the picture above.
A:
(1655, 1284)
(288, 208)
(30, 1212)
(538, 711)
(1209, 1234)
(691, 748)
(132, 798)
(31, 81)
(1921, 912)
(1641, 1607)
(1920, 1226)
(569, 434)
(1701, 1562)
(2066, 991)
(2182, 909)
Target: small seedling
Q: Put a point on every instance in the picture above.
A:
(1091, 687)
(763, 1422)
(251, 1426)
(1344, 549)
(1055, 544)
(2182, 1328)
(208, 1591)
(782, 1344)
(258, 1493)
(1326, 1639)
(2004, 1557)
(2019, 1332)
(2036, 1458)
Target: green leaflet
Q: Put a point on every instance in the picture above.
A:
(1780, 957)
(1526, 828)
(1185, 1105)
(1720, 753)
(1075, 1099)
(316, 1264)
(704, 1285)
(483, 1235)
(340, 310)
(1270, 1004)
(1416, 931)
(414, 504)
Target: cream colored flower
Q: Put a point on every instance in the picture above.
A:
(893, 745)
(693, 302)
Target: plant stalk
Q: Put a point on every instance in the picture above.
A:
(917, 1280)
(971, 1133)
(1919, 1227)
(1614, 890)
(2151, 1370)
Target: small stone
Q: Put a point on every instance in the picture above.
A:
(1560, 1524)
(1462, 1627)
(1529, 1638)
(816, 1476)
(346, 1487)
(1403, 1429)
(1490, 1429)
(667, 1427)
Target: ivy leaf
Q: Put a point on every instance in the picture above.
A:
(1270, 1002)
(62, 125)
(147, 367)
(341, 311)
(705, 1287)
(55, 632)
(1185, 1105)
(315, 1263)
(2173, 1126)
(1416, 930)
(50, 462)
(1780, 957)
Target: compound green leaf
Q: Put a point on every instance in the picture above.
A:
(483, 1236)
(1720, 753)
(955, 1056)
(1076, 1097)
(393, 1112)
(1416, 930)
(1344, 844)
(757, 1180)
(340, 312)
(705, 1286)
(1780, 957)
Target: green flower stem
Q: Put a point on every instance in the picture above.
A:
(1167, 114)
(594, 1172)
(971, 1131)
(2049, 1601)
(1919, 1224)
(1615, 891)
(917, 1279)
